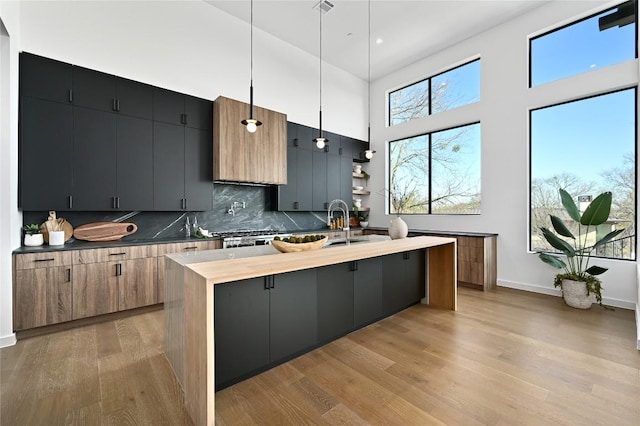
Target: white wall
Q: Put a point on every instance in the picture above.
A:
(503, 112)
(186, 46)
(10, 218)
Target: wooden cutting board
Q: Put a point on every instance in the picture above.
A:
(66, 227)
(104, 231)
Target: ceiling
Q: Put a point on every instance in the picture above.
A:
(410, 30)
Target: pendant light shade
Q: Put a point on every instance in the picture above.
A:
(251, 123)
(320, 141)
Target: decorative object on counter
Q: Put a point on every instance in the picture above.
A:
(357, 168)
(398, 228)
(357, 203)
(364, 223)
(202, 233)
(187, 227)
(32, 235)
(299, 243)
(251, 123)
(104, 231)
(54, 223)
(579, 284)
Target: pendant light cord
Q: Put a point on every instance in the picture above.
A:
(320, 12)
(251, 46)
(369, 78)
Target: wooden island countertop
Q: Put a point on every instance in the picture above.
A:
(189, 297)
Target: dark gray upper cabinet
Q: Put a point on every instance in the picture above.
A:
(46, 155)
(168, 106)
(296, 194)
(45, 78)
(94, 159)
(198, 169)
(134, 98)
(168, 167)
(134, 164)
(319, 184)
(93, 89)
(198, 113)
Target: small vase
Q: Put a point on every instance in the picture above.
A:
(398, 228)
(575, 294)
(33, 240)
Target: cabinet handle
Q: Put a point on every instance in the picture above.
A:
(296, 142)
(70, 95)
(340, 151)
(117, 104)
(70, 201)
(190, 248)
(326, 206)
(267, 283)
(186, 204)
(118, 269)
(117, 254)
(273, 281)
(117, 202)
(44, 260)
(69, 275)
(183, 118)
(405, 255)
(113, 202)
(113, 105)
(354, 266)
(296, 205)
(326, 148)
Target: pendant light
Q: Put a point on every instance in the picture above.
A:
(368, 154)
(251, 123)
(320, 141)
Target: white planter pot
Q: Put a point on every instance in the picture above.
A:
(56, 238)
(33, 240)
(398, 228)
(364, 224)
(575, 294)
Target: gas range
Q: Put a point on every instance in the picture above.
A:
(246, 238)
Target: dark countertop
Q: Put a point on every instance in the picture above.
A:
(451, 233)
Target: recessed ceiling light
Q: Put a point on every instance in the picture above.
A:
(379, 40)
(349, 34)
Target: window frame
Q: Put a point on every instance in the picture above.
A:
(566, 25)
(635, 156)
(430, 172)
(429, 80)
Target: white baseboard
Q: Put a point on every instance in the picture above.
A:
(556, 292)
(9, 340)
(638, 324)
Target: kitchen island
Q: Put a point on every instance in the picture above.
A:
(313, 309)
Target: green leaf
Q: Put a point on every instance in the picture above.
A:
(560, 227)
(569, 205)
(596, 270)
(598, 210)
(552, 260)
(610, 236)
(558, 243)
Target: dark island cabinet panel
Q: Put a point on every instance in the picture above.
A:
(293, 315)
(242, 329)
(134, 164)
(168, 167)
(367, 291)
(46, 155)
(45, 78)
(402, 281)
(94, 159)
(335, 301)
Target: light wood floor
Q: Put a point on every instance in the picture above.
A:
(505, 358)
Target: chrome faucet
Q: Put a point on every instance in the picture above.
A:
(236, 205)
(345, 213)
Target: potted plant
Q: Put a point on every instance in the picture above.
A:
(579, 282)
(32, 235)
(363, 216)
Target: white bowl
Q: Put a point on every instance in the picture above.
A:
(358, 188)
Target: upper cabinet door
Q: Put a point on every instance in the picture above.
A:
(46, 155)
(199, 113)
(168, 106)
(44, 78)
(168, 167)
(134, 99)
(95, 90)
(134, 164)
(198, 170)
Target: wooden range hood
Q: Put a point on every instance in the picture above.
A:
(243, 157)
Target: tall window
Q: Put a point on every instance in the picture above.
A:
(450, 89)
(586, 147)
(436, 173)
(595, 42)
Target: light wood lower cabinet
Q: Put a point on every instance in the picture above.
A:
(95, 289)
(42, 285)
(137, 283)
